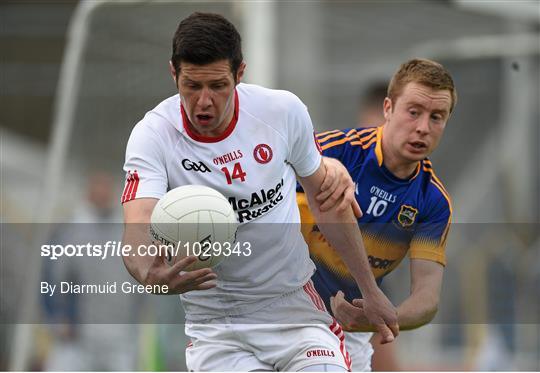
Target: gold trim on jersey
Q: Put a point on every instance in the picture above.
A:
(326, 133)
(428, 249)
(438, 184)
(354, 137)
(378, 146)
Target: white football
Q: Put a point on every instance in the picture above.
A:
(194, 220)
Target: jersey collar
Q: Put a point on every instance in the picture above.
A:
(378, 146)
(195, 136)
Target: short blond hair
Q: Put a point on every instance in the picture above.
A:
(425, 72)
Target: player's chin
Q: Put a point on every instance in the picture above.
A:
(204, 124)
(416, 154)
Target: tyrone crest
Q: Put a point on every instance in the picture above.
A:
(407, 215)
(262, 153)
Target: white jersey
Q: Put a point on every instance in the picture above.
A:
(253, 164)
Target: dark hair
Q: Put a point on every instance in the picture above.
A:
(373, 95)
(423, 71)
(204, 38)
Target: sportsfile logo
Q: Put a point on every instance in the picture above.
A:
(258, 204)
(193, 166)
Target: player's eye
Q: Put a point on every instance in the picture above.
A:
(191, 85)
(413, 112)
(437, 117)
(218, 85)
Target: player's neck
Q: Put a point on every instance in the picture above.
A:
(400, 168)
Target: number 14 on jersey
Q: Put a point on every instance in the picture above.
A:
(237, 173)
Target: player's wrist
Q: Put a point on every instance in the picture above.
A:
(368, 286)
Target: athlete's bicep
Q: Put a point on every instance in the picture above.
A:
(137, 215)
(138, 211)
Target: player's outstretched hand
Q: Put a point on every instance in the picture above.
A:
(381, 313)
(337, 188)
(160, 273)
(351, 318)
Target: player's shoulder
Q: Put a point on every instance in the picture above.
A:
(162, 121)
(266, 101)
(358, 139)
(436, 193)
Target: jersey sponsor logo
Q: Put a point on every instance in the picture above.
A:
(379, 263)
(194, 166)
(229, 157)
(258, 204)
(263, 153)
(407, 215)
(317, 353)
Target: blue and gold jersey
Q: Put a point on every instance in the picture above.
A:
(399, 216)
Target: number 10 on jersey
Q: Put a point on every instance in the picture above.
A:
(237, 173)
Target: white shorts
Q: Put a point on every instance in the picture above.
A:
(271, 338)
(361, 350)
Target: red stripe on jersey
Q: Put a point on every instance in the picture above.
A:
(130, 191)
(335, 328)
(127, 187)
(314, 296)
(135, 186)
(338, 332)
(195, 136)
(131, 183)
(318, 297)
(341, 336)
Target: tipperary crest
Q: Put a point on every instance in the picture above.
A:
(407, 215)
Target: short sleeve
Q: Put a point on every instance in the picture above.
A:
(429, 240)
(146, 174)
(349, 145)
(333, 143)
(304, 152)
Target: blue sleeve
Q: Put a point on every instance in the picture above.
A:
(429, 240)
(333, 143)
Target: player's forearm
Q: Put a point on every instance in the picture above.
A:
(346, 239)
(417, 310)
(137, 265)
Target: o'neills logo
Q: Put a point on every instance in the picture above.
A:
(248, 209)
(316, 353)
(229, 157)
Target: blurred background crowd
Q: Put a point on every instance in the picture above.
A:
(77, 76)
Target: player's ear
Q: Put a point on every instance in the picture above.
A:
(240, 72)
(173, 72)
(387, 107)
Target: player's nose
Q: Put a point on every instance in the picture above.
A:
(422, 125)
(205, 98)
